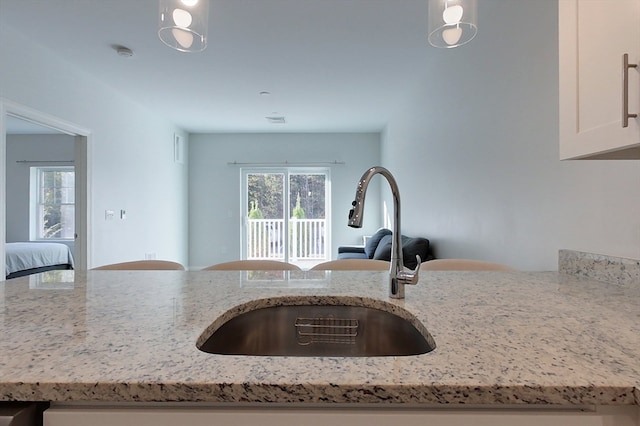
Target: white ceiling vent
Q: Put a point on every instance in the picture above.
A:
(276, 120)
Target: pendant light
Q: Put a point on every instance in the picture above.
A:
(452, 23)
(183, 24)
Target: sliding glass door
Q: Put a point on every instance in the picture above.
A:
(286, 215)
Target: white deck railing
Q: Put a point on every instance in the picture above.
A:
(266, 239)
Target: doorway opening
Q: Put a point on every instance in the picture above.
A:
(18, 120)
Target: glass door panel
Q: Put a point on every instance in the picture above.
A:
(265, 212)
(307, 203)
(286, 215)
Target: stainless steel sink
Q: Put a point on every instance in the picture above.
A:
(319, 330)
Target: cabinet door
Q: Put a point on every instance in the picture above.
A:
(371, 416)
(593, 36)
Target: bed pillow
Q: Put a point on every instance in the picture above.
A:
(373, 243)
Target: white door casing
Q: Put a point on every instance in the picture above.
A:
(82, 150)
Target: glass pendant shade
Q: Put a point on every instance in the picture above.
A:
(183, 24)
(452, 23)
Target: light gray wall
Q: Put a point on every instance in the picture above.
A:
(131, 153)
(475, 152)
(30, 148)
(215, 187)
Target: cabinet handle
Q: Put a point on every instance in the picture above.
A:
(625, 90)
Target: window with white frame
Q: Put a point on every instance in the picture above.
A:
(52, 203)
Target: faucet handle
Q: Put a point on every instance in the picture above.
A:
(418, 263)
(411, 277)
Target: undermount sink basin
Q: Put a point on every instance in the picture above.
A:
(293, 328)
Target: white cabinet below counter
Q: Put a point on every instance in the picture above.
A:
(363, 416)
(593, 37)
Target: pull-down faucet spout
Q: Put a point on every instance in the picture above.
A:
(398, 276)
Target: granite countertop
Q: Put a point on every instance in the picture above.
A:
(502, 338)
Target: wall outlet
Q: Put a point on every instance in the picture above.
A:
(123, 214)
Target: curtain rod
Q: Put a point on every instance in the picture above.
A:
(288, 163)
(45, 161)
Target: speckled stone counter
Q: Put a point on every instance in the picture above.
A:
(599, 267)
(502, 338)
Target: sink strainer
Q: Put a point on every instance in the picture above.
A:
(326, 330)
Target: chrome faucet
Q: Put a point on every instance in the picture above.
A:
(398, 274)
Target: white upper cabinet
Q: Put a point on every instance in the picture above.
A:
(593, 37)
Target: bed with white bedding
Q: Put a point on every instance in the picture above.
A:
(34, 257)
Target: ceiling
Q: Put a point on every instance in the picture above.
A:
(330, 65)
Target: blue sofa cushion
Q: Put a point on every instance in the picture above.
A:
(383, 251)
(352, 255)
(352, 250)
(410, 247)
(413, 246)
(374, 242)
